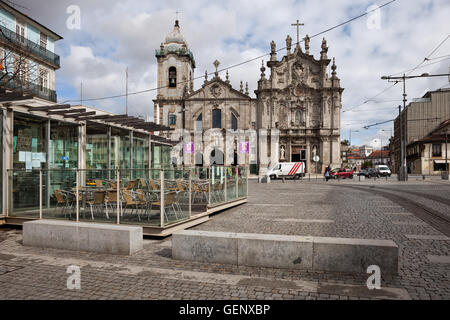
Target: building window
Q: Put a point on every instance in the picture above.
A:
(43, 80)
(20, 30)
(172, 120)
(198, 123)
(437, 152)
(298, 117)
(172, 77)
(217, 118)
(234, 122)
(43, 41)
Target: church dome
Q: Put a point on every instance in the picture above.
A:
(175, 35)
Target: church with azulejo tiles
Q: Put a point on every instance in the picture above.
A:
(295, 116)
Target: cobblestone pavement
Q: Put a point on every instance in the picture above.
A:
(296, 208)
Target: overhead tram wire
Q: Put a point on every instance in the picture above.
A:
(238, 64)
(426, 65)
(407, 73)
(425, 59)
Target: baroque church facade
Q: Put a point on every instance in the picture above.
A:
(294, 117)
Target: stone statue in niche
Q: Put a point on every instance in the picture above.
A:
(314, 151)
(282, 153)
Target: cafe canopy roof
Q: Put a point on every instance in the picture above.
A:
(93, 117)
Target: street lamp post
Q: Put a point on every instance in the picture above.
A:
(446, 153)
(403, 136)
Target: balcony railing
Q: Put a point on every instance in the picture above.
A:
(13, 38)
(28, 88)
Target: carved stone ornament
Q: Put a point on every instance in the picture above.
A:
(216, 90)
(297, 91)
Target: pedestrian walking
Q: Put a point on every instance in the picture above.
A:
(327, 173)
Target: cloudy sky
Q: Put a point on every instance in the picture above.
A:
(115, 34)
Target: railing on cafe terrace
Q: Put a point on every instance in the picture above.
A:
(149, 197)
(10, 37)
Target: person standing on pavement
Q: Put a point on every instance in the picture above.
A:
(327, 173)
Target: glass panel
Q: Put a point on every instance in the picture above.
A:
(29, 155)
(231, 183)
(24, 191)
(156, 154)
(217, 184)
(63, 156)
(176, 196)
(200, 189)
(166, 161)
(120, 148)
(29, 142)
(242, 182)
(140, 151)
(96, 151)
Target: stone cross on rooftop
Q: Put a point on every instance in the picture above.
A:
(216, 64)
(298, 24)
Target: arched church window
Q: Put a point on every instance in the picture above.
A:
(298, 117)
(217, 118)
(172, 119)
(234, 122)
(198, 123)
(172, 77)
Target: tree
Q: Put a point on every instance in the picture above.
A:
(345, 142)
(18, 70)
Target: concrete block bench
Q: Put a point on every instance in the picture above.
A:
(279, 251)
(82, 236)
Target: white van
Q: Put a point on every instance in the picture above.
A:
(293, 170)
(384, 170)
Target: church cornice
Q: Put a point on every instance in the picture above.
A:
(220, 81)
(299, 53)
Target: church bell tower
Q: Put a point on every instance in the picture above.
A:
(176, 66)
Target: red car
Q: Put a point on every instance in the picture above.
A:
(341, 173)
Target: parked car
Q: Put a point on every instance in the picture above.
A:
(373, 172)
(369, 173)
(383, 170)
(363, 172)
(341, 173)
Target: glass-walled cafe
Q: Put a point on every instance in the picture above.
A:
(98, 172)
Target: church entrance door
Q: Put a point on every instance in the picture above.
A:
(216, 157)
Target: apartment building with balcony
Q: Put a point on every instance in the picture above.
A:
(27, 55)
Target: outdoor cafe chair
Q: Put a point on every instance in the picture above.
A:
(97, 202)
(169, 202)
(130, 185)
(217, 192)
(133, 202)
(111, 200)
(61, 201)
(200, 188)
